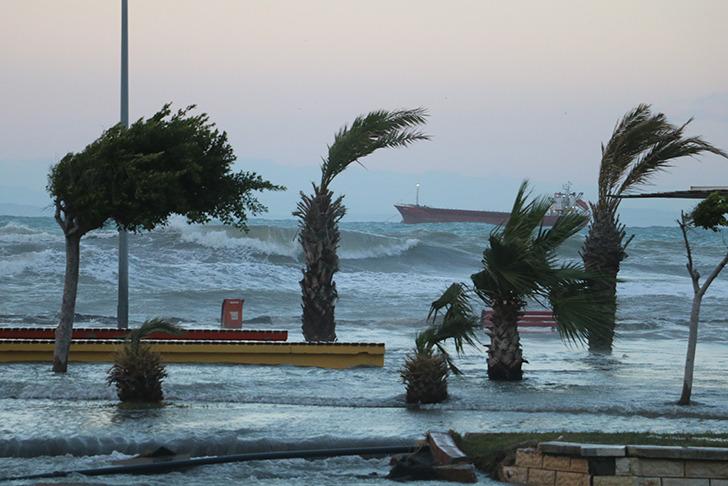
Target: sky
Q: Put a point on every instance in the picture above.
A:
(521, 89)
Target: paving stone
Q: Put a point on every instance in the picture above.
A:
(572, 479)
(672, 452)
(578, 464)
(659, 467)
(685, 482)
(625, 466)
(528, 458)
(649, 482)
(515, 474)
(706, 469)
(719, 482)
(603, 450)
(557, 463)
(541, 477)
(613, 481)
(560, 448)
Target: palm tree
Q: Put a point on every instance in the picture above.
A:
(426, 369)
(641, 145)
(138, 371)
(319, 213)
(521, 265)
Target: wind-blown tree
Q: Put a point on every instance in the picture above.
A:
(426, 369)
(521, 265)
(319, 213)
(642, 144)
(136, 178)
(138, 371)
(709, 214)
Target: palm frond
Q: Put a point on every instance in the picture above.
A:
(525, 216)
(458, 323)
(378, 129)
(643, 144)
(151, 326)
(659, 156)
(563, 228)
(580, 310)
(635, 133)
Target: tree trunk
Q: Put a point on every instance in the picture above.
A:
(603, 253)
(505, 357)
(319, 215)
(68, 307)
(692, 344)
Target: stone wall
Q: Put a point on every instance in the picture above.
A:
(572, 464)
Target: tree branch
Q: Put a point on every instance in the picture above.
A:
(694, 275)
(714, 274)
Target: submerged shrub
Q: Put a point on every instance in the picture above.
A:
(424, 375)
(138, 372)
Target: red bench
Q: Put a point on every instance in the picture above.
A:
(537, 319)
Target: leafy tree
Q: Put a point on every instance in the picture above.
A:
(138, 371)
(426, 369)
(641, 145)
(319, 213)
(137, 177)
(709, 214)
(520, 265)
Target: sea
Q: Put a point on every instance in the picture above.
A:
(390, 273)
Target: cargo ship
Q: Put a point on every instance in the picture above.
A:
(564, 201)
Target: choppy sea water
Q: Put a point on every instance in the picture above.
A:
(389, 274)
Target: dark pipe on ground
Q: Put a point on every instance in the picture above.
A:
(167, 466)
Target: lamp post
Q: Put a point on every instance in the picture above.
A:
(417, 197)
(122, 309)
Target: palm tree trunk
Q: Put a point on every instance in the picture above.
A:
(505, 357)
(68, 306)
(319, 237)
(602, 254)
(692, 344)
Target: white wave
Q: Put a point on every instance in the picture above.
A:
(233, 239)
(14, 232)
(16, 228)
(277, 242)
(388, 249)
(39, 262)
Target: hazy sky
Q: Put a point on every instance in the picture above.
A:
(515, 89)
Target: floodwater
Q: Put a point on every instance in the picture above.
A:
(389, 274)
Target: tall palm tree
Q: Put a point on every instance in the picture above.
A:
(319, 213)
(426, 369)
(521, 265)
(138, 371)
(641, 145)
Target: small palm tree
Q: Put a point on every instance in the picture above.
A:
(319, 213)
(641, 145)
(521, 265)
(138, 371)
(426, 369)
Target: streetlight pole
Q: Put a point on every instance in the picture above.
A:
(122, 309)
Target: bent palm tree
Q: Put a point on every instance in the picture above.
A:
(521, 265)
(426, 369)
(138, 371)
(641, 145)
(319, 213)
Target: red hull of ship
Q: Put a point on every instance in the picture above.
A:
(412, 214)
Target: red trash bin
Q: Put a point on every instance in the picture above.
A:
(231, 316)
